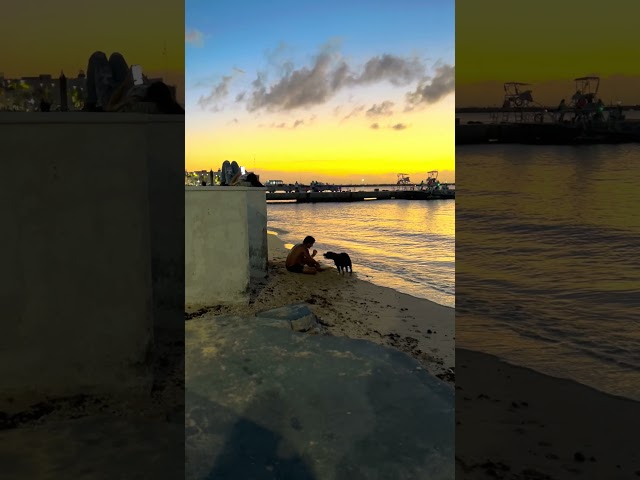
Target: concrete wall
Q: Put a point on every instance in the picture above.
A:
(166, 190)
(225, 243)
(257, 217)
(77, 287)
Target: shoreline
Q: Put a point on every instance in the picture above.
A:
(544, 427)
(355, 308)
(277, 235)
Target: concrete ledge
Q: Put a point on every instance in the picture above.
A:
(83, 232)
(225, 243)
(84, 118)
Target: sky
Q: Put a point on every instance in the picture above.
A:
(46, 37)
(546, 43)
(334, 91)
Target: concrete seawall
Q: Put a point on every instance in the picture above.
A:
(88, 248)
(225, 243)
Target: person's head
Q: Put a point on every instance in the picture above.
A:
(308, 241)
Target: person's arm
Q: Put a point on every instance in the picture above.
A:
(308, 259)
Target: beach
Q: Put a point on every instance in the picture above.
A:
(515, 423)
(348, 306)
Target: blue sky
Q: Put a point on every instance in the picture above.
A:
(243, 34)
(319, 85)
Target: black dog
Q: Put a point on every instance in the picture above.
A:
(341, 260)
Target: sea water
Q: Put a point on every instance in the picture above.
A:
(402, 244)
(548, 272)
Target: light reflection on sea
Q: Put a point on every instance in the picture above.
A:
(547, 249)
(405, 245)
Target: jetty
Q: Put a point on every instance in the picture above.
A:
(584, 120)
(319, 197)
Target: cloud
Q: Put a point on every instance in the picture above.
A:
(354, 113)
(328, 74)
(397, 126)
(432, 89)
(299, 88)
(384, 109)
(194, 37)
(293, 126)
(397, 70)
(238, 70)
(341, 77)
(240, 97)
(218, 92)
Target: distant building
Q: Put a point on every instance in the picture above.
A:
(196, 178)
(25, 93)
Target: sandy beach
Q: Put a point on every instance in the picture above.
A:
(515, 423)
(348, 306)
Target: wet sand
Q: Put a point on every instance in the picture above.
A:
(351, 307)
(515, 423)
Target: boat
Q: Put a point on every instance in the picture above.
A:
(434, 187)
(323, 187)
(583, 120)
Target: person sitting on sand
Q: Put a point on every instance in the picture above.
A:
(300, 261)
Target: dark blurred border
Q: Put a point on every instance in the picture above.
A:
(92, 291)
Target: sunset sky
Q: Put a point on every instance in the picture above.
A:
(47, 37)
(331, 91)
(547, 43)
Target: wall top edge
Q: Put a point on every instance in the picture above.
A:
(86, 118)
(223, 189)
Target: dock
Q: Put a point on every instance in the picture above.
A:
(547, 133)
(320, 197)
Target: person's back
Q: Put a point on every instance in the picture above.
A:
(296, 256)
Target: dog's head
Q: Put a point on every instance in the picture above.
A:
(330, 255)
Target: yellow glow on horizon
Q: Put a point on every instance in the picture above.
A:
(491, 44)
(51, 37)
(332, 149)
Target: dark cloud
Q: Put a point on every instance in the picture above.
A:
(341, 77)
(399, 126)
(397, 70)
(297, 123)
(382, 110)
(432, 89)
(300, 88)
(240, 97)
(218, 92)
(375, 126)
(316, 84)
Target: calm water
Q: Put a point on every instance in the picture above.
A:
(405, 245)
(548, 272)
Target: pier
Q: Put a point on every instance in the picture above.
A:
(319, 197)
